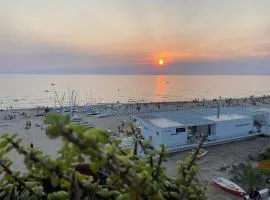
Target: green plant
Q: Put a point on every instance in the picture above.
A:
(91, 166)
(247, 176)
(264, 155)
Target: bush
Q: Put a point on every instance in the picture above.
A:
(91, 166)
(264, 155)
(247, 176)
(264, 164)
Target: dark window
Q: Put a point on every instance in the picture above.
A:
(157, 133)
(179, 130)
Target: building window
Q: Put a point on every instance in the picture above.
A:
(157, 133)
(180, 130)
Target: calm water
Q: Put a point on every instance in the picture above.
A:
(22, 91)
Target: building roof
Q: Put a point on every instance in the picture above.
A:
(196, 117)
(225, 117)
(165, 123)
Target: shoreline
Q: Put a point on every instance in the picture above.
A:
(255, 101)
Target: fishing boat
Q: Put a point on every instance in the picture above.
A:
(229, 186)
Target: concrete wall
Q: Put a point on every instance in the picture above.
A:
(232, 128)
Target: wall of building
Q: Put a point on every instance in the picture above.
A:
(171, 138)
(150, 133)
(166, 136)
(268, 119)
(262, 118)
(232, 128)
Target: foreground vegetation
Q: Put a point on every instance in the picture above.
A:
(253, 173)
(92, 166)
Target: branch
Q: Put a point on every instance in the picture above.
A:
(194, 157)
(10, 173)
(161, 156)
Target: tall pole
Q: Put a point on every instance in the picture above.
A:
(218, 110)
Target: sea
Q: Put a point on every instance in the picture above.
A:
(30, 91)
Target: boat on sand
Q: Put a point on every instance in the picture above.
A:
(202, 153)
(105, 114)
(229, 186)
(75, 118)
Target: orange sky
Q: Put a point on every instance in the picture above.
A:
(136, 32)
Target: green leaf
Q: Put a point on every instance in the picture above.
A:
(3, 143)
(54, 179)
(60, 195)
(38, 190)
(94, 167)
(53, 132)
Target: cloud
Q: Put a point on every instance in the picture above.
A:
(36, 19)
(128, 42)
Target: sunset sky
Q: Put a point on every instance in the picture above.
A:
(132, 36)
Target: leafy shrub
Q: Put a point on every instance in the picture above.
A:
(247, 176)
(264, 155)
(91, 166)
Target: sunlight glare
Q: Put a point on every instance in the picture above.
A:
(160, 61)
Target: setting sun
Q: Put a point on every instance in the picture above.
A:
(160, 61)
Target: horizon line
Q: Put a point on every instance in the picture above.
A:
(149, 74)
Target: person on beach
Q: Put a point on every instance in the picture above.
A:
(47, 109)
(26, 125)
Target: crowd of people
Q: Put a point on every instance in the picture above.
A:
(10, 116)
(143, 107)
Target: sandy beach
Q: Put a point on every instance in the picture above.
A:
(222, 156)
(218, 157)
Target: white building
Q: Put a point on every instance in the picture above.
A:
(181, 130)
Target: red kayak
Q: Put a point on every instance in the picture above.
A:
(229, 186)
